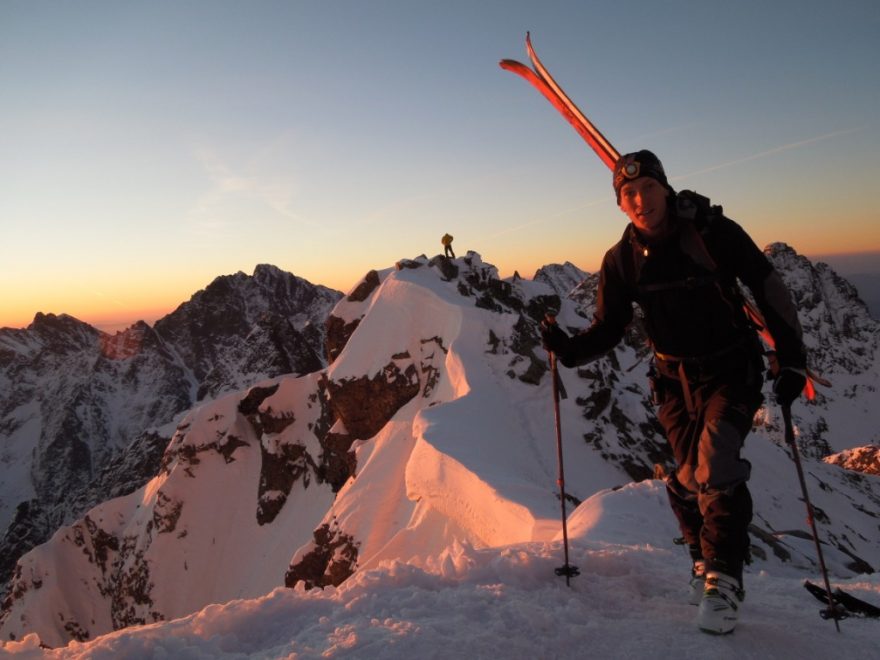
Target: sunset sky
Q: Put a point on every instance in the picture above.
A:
(148, 147)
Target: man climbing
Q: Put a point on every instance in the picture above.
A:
(679, 259)
(447, 245)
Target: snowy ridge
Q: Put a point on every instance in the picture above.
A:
(433, 426)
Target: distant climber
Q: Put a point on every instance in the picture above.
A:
(447, 245)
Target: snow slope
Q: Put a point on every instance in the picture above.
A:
(505, 602)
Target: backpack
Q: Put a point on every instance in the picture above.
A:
(691, 208)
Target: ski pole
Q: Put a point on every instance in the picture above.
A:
(831, 612)
(567, 569)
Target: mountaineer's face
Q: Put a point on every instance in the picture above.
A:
(643, 200)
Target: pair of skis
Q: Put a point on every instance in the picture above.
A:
(541, 80)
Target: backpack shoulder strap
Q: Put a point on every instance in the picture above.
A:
(624, 261)
(697, 214)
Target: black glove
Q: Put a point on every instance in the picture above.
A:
(554, 338)
(789, 384)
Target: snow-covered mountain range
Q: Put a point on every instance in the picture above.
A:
(85, 416)
(429, 441)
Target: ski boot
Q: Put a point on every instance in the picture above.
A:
(719, 607)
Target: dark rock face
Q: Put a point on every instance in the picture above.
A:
(283, 464)
(338, 462)
(338, 334)
(366, 404)
(330, 561)
(366, 288)
(241, 328)
(337, 330)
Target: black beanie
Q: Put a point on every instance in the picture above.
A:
(635, 165)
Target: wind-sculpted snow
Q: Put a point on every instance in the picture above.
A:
(428, 446)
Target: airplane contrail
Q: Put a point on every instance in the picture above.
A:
(769, 152)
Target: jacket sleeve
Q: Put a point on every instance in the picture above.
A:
(771, 295)
(613, 313)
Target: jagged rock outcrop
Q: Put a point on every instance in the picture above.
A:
(838, 329)
(859, 459)
(328, 561)
(385, 393)
(563, 279)
(338, 330)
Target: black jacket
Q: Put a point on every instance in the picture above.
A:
(686, 286)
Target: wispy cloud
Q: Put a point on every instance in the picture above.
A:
(260, 179)
(768, 152)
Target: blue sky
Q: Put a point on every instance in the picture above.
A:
(146, 148)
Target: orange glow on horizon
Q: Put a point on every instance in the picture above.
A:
(107, 320)
(114, 305)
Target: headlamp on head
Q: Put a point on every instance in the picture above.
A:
(638, 164)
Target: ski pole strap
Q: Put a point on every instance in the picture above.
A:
(561, 388)
(568, 571)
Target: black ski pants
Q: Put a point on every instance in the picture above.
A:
(706, 425)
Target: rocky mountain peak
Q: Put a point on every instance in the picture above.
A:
(838, 328)
(562, 278)
(86, 415)
(62, 332)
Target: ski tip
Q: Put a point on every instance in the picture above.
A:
(511, 65)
